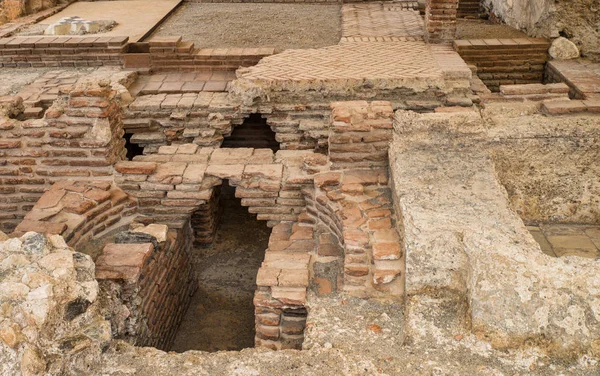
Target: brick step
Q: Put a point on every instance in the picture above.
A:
(512, 69)
(185, 47)
(469, 44)
(570, 107)
(559, 88)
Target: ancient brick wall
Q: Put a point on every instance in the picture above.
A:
(76, 51)
(506, 61)
(179, 179)
(440, 20)
(79, 211)
(79, 137)
(206, 118)
(360, 133)
(172, 54)
(155, 280)
(205, 220)
(282, 280)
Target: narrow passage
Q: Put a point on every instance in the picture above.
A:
(221, 315)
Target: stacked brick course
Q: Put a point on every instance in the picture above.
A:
(206, 118)
(79, 211)
(156, 284)
(44, 51)
(355, 209)
(205, 220)
(526, 92)
(506, 61)
(440, 20)
(172, 54)
(282, 281)
(554, 107)
(468, 8)
(360, 134)
(203, 118)
(79, 137)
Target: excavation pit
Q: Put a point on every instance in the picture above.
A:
(221, 312)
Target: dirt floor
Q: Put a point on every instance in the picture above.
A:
(12, 80)
(482, 29)
(281, 26)
(221, 315)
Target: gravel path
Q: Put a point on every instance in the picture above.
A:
(280, 26)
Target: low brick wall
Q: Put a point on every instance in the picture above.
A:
(206, 118)
(155, 283)
(506, 61)
(61, 51)
(172, 54)
(527, 92)
(582, 77)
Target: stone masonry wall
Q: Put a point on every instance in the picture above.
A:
(51, 321)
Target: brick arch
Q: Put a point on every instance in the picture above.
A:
(179, 179)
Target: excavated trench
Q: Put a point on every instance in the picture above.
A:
(221, 313)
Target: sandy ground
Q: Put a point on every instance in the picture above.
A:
(482, 29)
(280, 26)
(12, 80)
(221, 314)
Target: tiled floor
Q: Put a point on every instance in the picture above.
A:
(381, 20)
(567, 239)
(173, 83)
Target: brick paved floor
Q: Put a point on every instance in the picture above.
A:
(568, 240)
(172, 83)
(389, 22)
(387, 64)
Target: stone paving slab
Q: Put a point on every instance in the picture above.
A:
(559, 240)
(134, 18)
